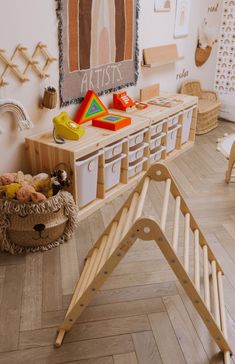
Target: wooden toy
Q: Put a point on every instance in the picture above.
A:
(226, 146)
(150, 92)
(111, 122)
(91, 108)
(122, 101)
(31, 62)
(129, 225)
(66, 128)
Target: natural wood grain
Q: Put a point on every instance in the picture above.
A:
(32, 293)
(184, 330)
(72, 351)
(129, 358)
(146, 348)
(52, 290)
(11, 307)
(166, 339)
(86, 331)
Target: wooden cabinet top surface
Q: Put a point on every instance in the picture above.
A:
(96, 138)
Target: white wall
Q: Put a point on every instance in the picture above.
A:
(30, 21)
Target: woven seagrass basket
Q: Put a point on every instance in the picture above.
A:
(202, 55)
(36, 226)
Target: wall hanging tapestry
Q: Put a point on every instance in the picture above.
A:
(98, 45)
(225, 68)
(182, 15)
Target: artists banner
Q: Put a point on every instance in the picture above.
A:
(98, 46)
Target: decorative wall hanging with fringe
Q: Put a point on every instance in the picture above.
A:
(15, 107)
(98, 42)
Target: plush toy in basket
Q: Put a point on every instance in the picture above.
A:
(35, 213)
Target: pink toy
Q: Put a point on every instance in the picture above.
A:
(7, 179)
(24, 193)
(37, 197)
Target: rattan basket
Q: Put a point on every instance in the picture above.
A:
(31, 227)
(202, 55)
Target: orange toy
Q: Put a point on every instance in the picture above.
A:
(90, 108)
(112, 122)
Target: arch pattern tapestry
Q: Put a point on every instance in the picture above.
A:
(98, 42)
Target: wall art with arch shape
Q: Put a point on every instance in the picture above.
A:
(182, 16)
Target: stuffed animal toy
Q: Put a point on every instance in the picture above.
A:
(24, 193)
(60, 180)
(10, 191)
(44, 186)
(206, 35)
(37, 197)
(40, 177)
(7, 178)
(22, 178)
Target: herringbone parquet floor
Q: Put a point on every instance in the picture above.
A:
(141, 315)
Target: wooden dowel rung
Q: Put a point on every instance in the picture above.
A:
(87, 276)
(196, 260)
(215, 292)
(142, 198)
(119, 231)
(206, 277)
(100, 252)
(95, 264)
(107, 245)
(77, 288)
(165, 204)
(186, 242)
(176, 224)
(222, 305)
(131, 213)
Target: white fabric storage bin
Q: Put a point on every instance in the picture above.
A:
(187, 120)
(137, 138)
(136, 168)
(87, 175)
(156, 156)
(171, 139)
(157, 128)
(112, 172)
(137, 153)
(156, 142)
(173, 120)
(113, 150)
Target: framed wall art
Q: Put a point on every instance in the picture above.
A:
(162, 5)
(182, 15)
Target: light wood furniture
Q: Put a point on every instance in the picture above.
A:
(44, 155)
(128, 226)
(161, 55)
(208, 106)
(226, 146)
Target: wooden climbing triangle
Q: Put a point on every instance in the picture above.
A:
(127, 226)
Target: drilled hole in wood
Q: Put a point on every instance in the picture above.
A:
(93, 289)
(147, 230)
(71, 320)
(81, 305)
(105, 272)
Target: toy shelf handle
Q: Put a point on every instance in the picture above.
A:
(58, 140)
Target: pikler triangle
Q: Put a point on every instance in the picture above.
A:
(204, 286)
(91, 108)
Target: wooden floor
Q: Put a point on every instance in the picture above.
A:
(141, 315)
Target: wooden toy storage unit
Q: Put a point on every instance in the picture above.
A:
(156, 133)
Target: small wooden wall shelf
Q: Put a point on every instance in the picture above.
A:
(43, 155)
(161, 55)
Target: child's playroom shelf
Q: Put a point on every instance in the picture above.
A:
(160, 56)
(104, 164)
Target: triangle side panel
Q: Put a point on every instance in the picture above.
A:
(154, 232)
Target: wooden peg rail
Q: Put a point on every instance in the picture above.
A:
(21, 50)
(127, 226)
